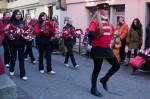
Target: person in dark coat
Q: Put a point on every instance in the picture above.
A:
(147, 40)
(69, 41)
(101, 33)
(43, 43)
(17, 44)
(134, 39)
(5, 19)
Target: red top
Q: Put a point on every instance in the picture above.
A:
(1, 28)
(1, 32)
(37, 29)
(105, 39)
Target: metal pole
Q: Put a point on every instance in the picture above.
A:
(79, 45)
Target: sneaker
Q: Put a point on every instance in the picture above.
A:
(11, 73)
(41, 71)
(26, 59)
(76, 66)
(126, 63)
(67, 65)
(34, 62)
(24, 78)
(7, 65)
(52, 72)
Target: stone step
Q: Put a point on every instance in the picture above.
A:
(7, 88)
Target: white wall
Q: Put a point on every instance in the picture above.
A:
(19, 3)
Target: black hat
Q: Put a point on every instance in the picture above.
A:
(103, 6)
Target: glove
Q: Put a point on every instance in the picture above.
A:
(91, 34)
(117, 40)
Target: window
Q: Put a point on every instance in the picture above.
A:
(120, 8)
(11, 0)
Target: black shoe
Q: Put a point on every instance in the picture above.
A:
(121, 62)
(104, 83)
(133, 71)
(96, 93)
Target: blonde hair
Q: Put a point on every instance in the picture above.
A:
(98, 18)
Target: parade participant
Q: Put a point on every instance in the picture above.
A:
(63, 45)
(124, 30)
(55, 38)
(1, 40)
(69, 41)
(1, 33)
(5, 19)
(43, 41)
(101, 33)
(29, 43)
(16, 42)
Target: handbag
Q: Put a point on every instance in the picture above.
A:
(1, 66)
(137, 62)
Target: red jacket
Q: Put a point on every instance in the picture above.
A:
(105, 39)
(37, 29)
(1, 32)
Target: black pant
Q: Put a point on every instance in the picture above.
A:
(44, 48)
(13, 52)
(122, 50)
(55, 44)
(6, 53)
(70, 54)
(29, 50)
(97, 67)
(129, 53)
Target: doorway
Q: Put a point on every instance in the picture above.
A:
(50, 12)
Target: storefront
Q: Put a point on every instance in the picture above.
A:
(81, 11)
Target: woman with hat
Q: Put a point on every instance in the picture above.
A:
(123, 27)
(101, 33)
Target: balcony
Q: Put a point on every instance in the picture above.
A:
(47, 1)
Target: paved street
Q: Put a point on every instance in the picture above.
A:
(70, 83)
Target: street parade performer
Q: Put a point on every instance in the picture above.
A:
(101, 33)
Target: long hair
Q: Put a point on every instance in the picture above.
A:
(13, 17)
(139, 25)
(98, 17)
(40, 21)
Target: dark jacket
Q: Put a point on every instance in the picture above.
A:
(18, 40)
(67, 40)
(147, 40)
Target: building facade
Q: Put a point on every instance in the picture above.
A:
(3, 7)
(81, 11)
(35, 7)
